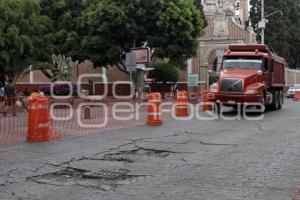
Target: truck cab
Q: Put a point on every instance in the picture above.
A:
(250, 74)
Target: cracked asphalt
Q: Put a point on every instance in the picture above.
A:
(193, 159)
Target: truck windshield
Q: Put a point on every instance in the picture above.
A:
(242, 63)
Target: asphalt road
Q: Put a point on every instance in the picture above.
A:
(201, 160)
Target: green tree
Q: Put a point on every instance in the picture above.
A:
(25, 36)
(65, 15)
(282, 32)
(165, 72)
(113, 27)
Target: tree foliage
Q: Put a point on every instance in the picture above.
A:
(165, 72)
(65, 15)
(114, 27)
(282, 32)
(99, 30)
(25, 36)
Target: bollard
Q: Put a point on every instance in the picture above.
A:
(154, 110)
(206, 105)
(182, 104)
(297, 96)
(40, 127)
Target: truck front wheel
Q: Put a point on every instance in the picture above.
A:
(263, 100)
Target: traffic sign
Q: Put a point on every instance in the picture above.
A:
(193, 80)
(142, 55)
(130, 62)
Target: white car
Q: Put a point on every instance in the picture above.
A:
(292, 89)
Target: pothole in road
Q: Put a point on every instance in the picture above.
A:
(105, 179)
(135, 155)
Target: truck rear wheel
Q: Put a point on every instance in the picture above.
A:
(281, 99)
(275, 101)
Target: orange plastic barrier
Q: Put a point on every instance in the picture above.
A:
(297, 96)
(206, 105)
(182, 109)
(39, 122)
(154, 110)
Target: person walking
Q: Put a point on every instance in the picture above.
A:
(11, 97)
(1, 90)
(2, 99)
(174, 89)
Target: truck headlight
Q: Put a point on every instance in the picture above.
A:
(252, 91)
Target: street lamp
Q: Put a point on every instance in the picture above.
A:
(262, 23)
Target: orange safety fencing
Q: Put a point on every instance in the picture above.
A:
(71, 120)
(297, 96)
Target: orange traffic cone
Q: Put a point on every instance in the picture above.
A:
(297, 96)
(154, 110)
(39, 122)
(207, 106)
(182, 104)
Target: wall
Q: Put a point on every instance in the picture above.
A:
(121, 89)
(292, 77)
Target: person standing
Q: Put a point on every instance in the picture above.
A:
(11, 97)
(1, 91)
(2, 100)
(176, 88)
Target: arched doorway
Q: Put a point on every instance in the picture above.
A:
(215, 57)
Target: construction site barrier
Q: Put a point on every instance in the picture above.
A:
(154, 110)
(207, 106)
(182, 109)
(40, 127)
(297, 96)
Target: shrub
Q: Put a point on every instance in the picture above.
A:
(164, 72)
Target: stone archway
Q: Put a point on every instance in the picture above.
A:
(214, 56)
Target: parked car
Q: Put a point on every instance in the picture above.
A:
(292, 89)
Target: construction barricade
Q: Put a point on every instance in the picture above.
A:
(297, 96)
(182, 109)
(206, 106)
(154, 117)
(39, 121)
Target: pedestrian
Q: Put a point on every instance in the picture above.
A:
(10, 97)
(2, 99)
(1, 90)
(26, 93)
(174, 89)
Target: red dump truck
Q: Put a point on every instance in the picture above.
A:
(250, 74)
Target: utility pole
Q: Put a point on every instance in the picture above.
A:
(263, 20)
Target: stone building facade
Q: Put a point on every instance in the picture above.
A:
(228, 23)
